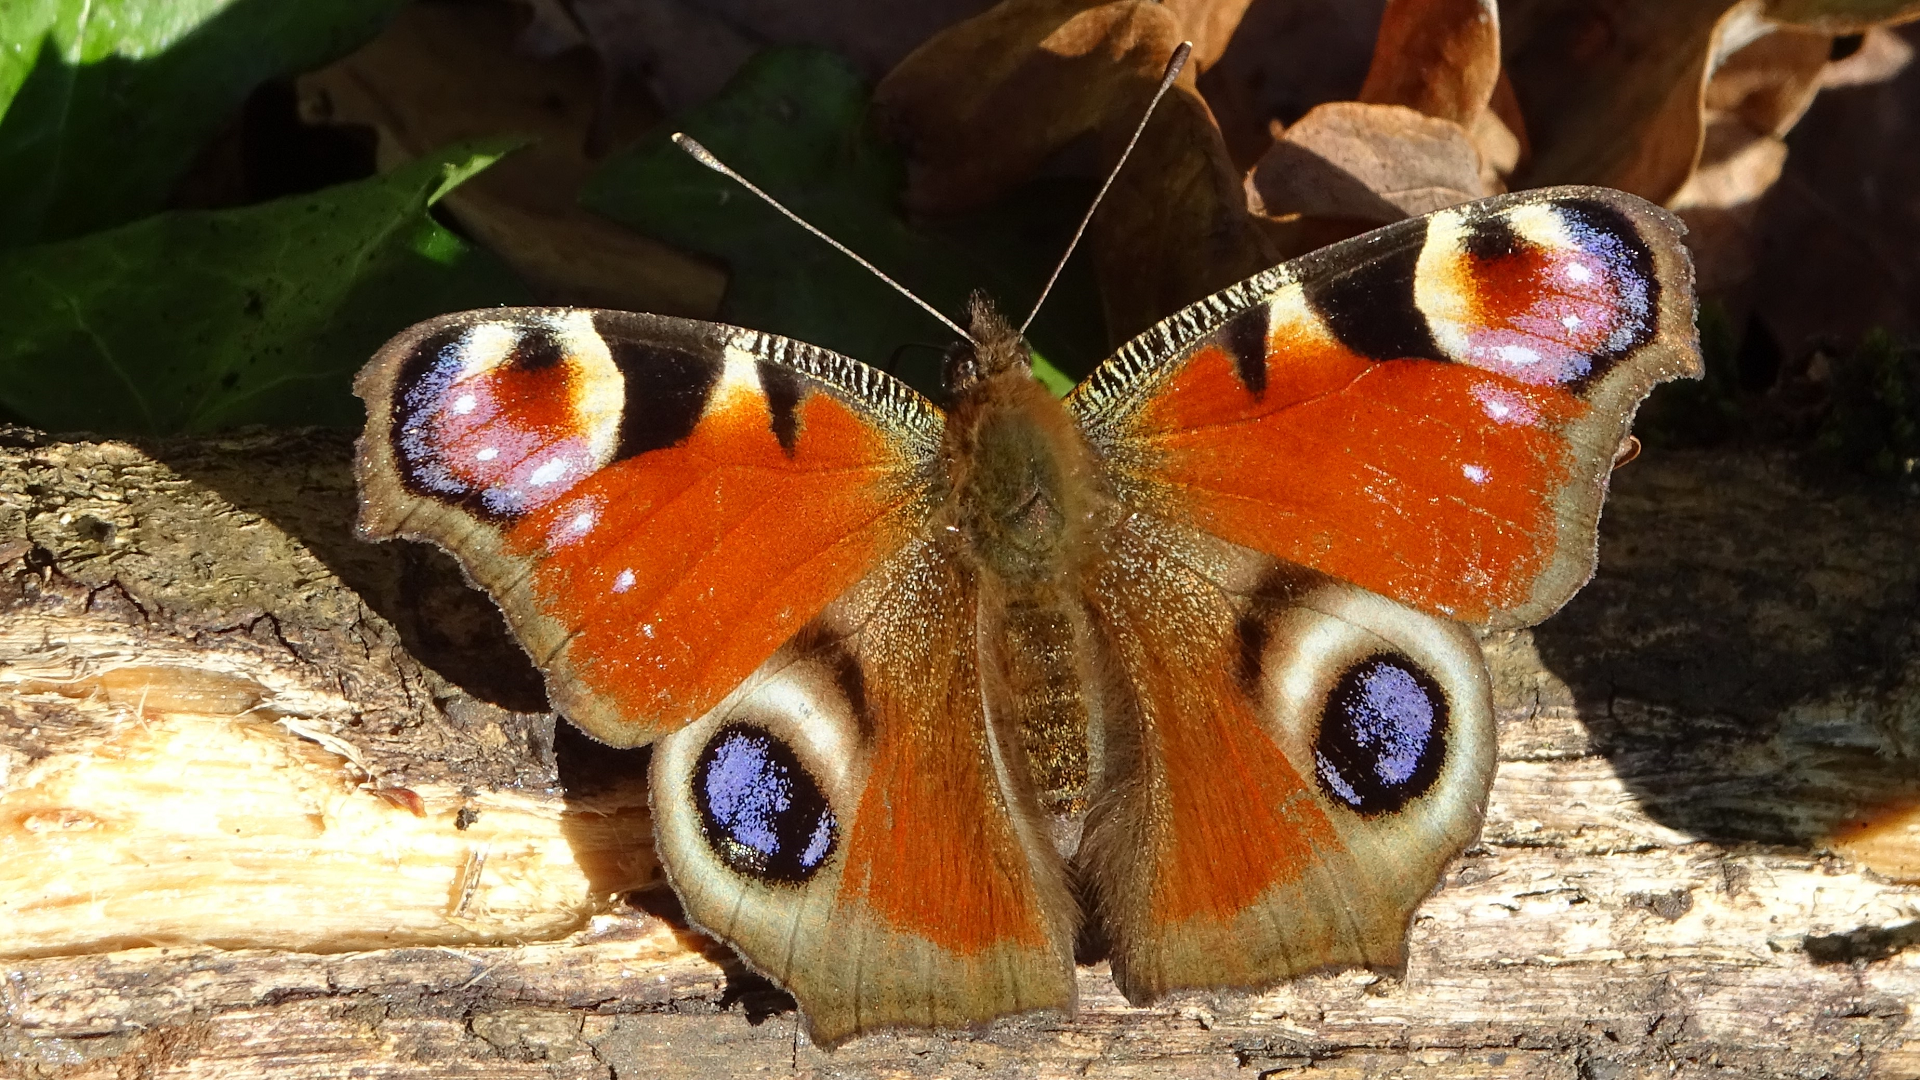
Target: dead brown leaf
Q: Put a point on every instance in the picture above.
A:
(1752, 99)
(982, 105)
(1285, 57)
(443, 72)
(684, 51)
(1372, 163)
(1843, 16)
(1768, 83)
(1442, 58)
(1439, 57)
(1611, 93)
(1501, 137)
(1840, 229)
(1718, 203)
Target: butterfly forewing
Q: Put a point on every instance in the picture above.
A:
(1430, 411)
(625, 487)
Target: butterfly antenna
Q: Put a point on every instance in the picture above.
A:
(1174, 63)
(705, 157)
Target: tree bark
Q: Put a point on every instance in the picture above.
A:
(275, 799)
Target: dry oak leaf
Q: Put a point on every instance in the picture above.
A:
(1843, 16)
(1618, 94)
(982, 105)
(1751, 101)
(1442, 58)
(1349, 166)
(1611, 95)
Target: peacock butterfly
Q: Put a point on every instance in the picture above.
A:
(1185, 656)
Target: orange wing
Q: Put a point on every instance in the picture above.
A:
(1430, 411)
(1292, 763)
(1312, 465)
(848, 821)
(621, 485)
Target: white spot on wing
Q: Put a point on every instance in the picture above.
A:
(488, 453)
(1504, 405)
(1577, 272)
(1442, 287)
(739, 381)
(486, 346)
(623, 580)
(465, 404)
(1474, 473)
(574, 526)
(549, 471)
(1515, 354)
(599, 389)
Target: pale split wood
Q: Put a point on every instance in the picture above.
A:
(240, 821)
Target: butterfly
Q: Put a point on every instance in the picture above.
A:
(1182, 662)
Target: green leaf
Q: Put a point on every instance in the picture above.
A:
(201, 320)
(793, 122)
(104, 104)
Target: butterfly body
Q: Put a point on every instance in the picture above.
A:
(1026, 498)
(1183, 658)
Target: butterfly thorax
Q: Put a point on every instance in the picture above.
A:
(1025, 500)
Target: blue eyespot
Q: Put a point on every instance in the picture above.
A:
(762, 812)
(1383, 735)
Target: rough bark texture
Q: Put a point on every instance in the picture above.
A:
(1693, 863)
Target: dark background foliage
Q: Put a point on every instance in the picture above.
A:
(211, 212)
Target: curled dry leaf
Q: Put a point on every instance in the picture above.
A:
(982, 105)
(1752, 99)
(1617, 94)
(685, 51)
(1845, 205)
(1349, 166)
(682, 54)
(1439, 57)
(1843, 16)
(1768, 83)
(444, 72)
(1442, 58)
(1611, 93)
(1285, 57)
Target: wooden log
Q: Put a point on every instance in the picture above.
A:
(272, 799)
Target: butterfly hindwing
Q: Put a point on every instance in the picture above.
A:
(622, 485)
(848, 821)
(1429, 411)
(1295, 762)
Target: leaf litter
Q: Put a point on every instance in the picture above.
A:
(954, 142)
